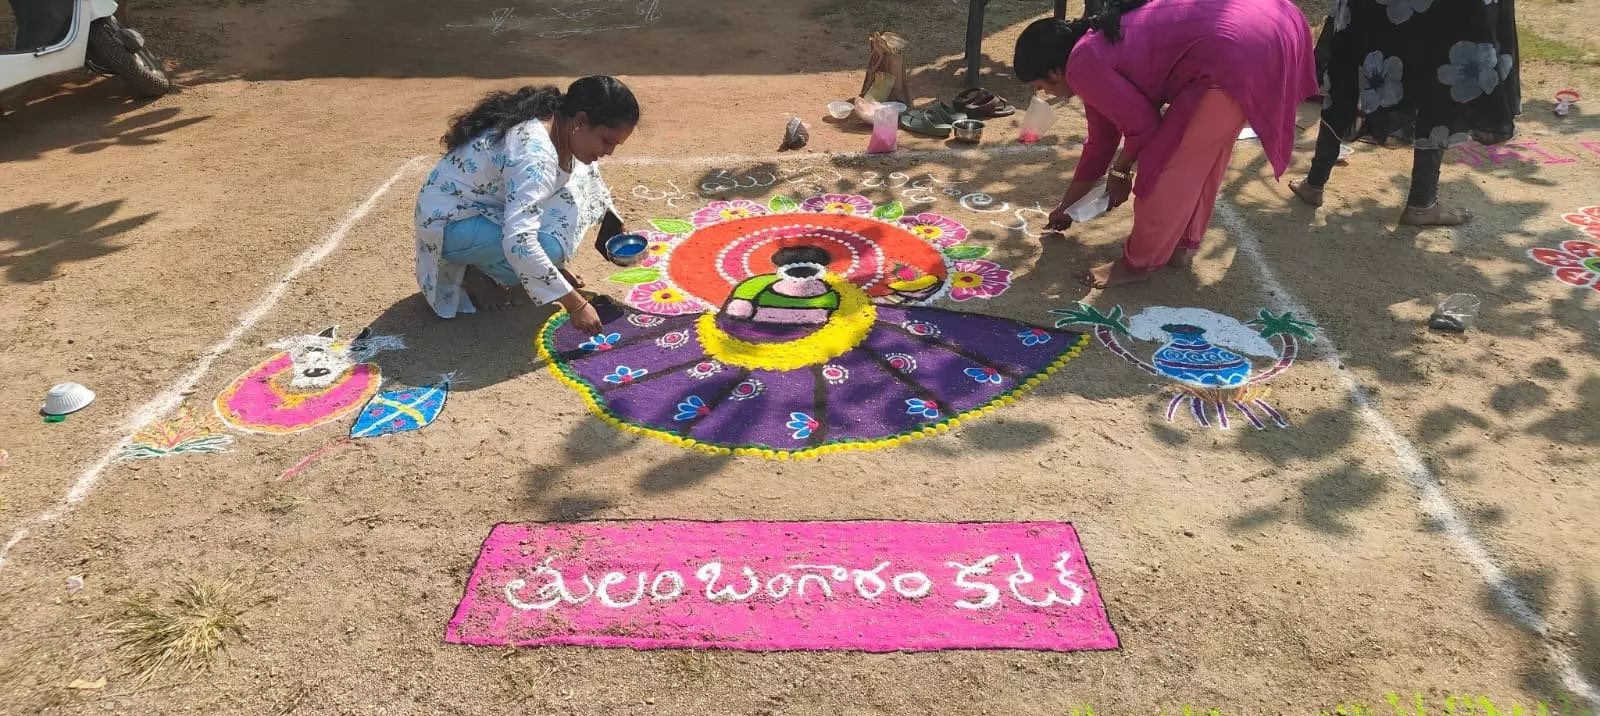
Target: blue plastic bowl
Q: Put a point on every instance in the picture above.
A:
(626, 249)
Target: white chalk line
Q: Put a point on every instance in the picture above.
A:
(168, 400)
(736, 160)
(1435, 502)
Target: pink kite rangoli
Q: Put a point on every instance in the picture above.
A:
(770, 586)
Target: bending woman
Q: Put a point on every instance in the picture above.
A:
(1431, 76)
(1214, 64)
(498, 210)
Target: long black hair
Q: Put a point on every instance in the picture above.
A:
(1045, 45)
(603, 100)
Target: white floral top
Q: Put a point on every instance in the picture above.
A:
(505, 182)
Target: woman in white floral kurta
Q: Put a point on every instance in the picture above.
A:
(517, 189)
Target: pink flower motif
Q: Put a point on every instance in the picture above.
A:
(719, 211)
(1576, 263)
(656, 251)
(837, 204)
(978, 278)
(941, 231)
(662, 299)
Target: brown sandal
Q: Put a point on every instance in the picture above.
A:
(1311, 195)
(979, 103)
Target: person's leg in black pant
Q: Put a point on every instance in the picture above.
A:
(1327, 154)
(1422, 205)
(1425, 165)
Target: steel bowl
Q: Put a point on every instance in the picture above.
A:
(626, 249)
(968, 130)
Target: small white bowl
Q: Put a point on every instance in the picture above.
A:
(899, 107)
(840, 110)
(66, 398)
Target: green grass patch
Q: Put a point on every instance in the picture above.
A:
(1535, 47)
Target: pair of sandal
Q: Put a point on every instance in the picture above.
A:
(937, 120)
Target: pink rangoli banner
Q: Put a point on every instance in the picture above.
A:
(761, 586)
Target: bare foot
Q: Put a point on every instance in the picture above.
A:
(1435, 215)
(488, 295)
(572, 278)
(1311, 195)
(1112, 274)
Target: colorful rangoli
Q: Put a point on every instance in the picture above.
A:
(1206, 354)
(1577, 262)
(801, 328)
(183, 433)
(314, 380)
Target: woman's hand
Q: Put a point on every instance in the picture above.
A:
(1059, 221)
(584, 317)
(1118, 189)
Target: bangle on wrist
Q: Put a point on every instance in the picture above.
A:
(1120, 174)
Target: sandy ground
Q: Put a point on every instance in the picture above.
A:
(1274, 571)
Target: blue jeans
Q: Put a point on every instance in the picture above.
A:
(477, 242)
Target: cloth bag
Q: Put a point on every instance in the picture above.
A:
(886, 70)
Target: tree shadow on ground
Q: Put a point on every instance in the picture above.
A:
(545, 486)
(38, 239)
(85, 119)
(521, 38)
(1376, 313)
(1327, 503)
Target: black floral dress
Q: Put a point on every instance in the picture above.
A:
(1430, 73)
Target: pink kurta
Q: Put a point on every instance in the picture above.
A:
(1170, 53)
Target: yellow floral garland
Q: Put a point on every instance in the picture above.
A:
(849, 326)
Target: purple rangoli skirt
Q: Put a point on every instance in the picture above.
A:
(917, 368)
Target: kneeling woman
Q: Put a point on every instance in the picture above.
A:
(498, 210)
(1214, 64)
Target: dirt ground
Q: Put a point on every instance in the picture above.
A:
(1280, 571)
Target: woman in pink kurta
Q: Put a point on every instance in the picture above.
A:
(1213, 64)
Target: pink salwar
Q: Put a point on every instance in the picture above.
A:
(1174, 211)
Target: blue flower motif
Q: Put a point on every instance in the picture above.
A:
(469, 166)
(925, 408)
(802, 425)
(500, 160)
(433, 176)
(1474, 70)
(522, 248)
(1381, 82)
(984, 375)
(601, 342)
(624, 375)
(692, 407)
(1033, 336)
(1400, 11)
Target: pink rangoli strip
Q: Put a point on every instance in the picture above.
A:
(768, 586)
